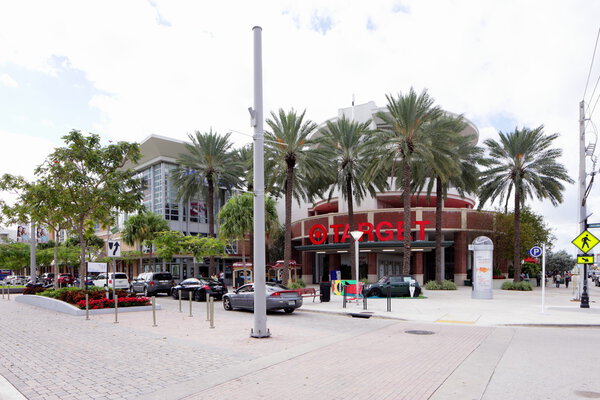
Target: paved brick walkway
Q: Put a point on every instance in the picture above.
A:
(384, 364)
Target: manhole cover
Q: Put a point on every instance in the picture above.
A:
(418, 332)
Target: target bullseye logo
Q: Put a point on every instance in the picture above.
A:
(318, 234)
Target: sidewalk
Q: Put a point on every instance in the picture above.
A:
(456, 306)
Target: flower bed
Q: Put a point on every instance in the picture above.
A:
(110, 303)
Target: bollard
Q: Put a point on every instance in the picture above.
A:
(364, 301)
(212, 312)
(389, 298)
(116, 308)
(8, 293)
(87, 306)
(180, 301)
(190, 297)
(344, 302)
(154, 311)
(207, 299)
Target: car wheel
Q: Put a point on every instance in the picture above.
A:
(227, 304)
(198, 296)
(288, 310)
(374, 292)
(174, 294)
(417, 292)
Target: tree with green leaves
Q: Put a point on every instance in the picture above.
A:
(347, 143)
(142, 227)
(87, 182)
(202, 247)
(210, 163)
(405, 137)
(462, 174)
(167, 244)
(523, 165)
(236, 218)
(296, 165)
(560, 261)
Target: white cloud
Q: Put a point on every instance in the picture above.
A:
(7, 81)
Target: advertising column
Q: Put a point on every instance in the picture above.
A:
(483, 252)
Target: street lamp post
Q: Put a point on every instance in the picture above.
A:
(356, 235)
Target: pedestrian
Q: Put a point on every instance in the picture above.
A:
(538, 278)
(567, 279)
(558, 280)
(222, 277)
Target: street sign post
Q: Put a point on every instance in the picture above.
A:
(593, 225)
(585, 241)
(114, 248)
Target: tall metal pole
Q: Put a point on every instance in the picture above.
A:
(260, 300)
(32, 238)
(543, 276)
(585, 300)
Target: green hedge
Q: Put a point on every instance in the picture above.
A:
(445, 285)
(523, 286)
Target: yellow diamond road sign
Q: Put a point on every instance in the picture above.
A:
(585, 241)
(583, 259)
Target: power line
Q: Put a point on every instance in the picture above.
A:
(591, 65)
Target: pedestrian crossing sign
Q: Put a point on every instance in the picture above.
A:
(585, 241)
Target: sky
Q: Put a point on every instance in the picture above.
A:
(129, 69)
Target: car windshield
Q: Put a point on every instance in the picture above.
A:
(120, 276)
(163, 277)
(383, 279)
(191, 281)
(277, 285)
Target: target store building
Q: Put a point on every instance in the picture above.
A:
(321, 238)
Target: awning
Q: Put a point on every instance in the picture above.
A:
(392, 244)
(279, 264)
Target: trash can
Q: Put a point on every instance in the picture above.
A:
(325, 292)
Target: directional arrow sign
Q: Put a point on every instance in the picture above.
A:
(584, 259)
(585, 241)
(114, 248)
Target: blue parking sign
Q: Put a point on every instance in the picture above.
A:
(535, 251)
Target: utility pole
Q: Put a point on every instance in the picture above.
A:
(260, 300)
(585, 299)
(32, 244)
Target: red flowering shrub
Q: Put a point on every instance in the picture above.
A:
(97, 304)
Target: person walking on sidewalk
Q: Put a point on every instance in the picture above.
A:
(558, 280)
(567, 279)
(538, 278)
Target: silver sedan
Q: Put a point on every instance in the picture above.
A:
(278, 298)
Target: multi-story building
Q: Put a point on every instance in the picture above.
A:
(321, 239)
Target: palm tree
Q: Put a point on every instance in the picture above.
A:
(522, 162)
(463, 175)
(404, 138)
(142, 227)
(208, 164)
(236, 218)
(288, 148)
(347, 143)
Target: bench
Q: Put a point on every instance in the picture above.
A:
(307, 292)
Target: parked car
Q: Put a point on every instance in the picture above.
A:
(66, 279)
(198, 288)
(16, 280)
(278, 298)
(151, 283)
(398, 285)
(48, 277)
(120, 280)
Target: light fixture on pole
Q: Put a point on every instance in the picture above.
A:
(356, 235)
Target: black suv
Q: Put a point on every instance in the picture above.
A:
(398, 285)
(151, 283)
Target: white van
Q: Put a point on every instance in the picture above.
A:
(120, 279)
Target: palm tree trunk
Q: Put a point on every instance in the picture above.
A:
(55, 267)
(141, 266)
(351, 226)
(407, 219)
(517, 256)
(439, 203)
(211, 221)
(287, 248)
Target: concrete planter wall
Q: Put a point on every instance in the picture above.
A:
(498, 282)
(66, 308)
